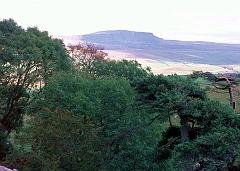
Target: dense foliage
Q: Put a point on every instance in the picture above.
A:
(27, 58)
(72, 109)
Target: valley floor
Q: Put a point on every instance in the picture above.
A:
(169, 68)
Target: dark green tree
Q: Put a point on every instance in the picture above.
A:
(193, 141)
(130, 70)
(102, 102)
(57, 140)
(27, 59)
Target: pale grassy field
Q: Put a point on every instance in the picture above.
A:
(168, 68)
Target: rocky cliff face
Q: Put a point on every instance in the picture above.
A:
(146, 45)
(122, 38)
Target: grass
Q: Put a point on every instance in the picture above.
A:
(218, 94)
(223, 96)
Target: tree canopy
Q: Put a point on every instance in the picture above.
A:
(74, 109)
(27, 58)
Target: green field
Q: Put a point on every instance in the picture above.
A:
(223, 96)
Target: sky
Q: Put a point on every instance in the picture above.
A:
(204, 20)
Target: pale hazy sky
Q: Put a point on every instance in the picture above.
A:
(209, 20)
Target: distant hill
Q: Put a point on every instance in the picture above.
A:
(146, 45)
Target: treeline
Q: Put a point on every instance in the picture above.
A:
(71, 108)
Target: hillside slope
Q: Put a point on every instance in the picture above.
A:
(146, 45)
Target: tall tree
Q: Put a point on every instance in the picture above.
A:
(84, 55)
(27, 57)
(98, 105)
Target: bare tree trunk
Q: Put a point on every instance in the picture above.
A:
(232, 100)
(184, 130)
(170, 122)
(231, 96)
